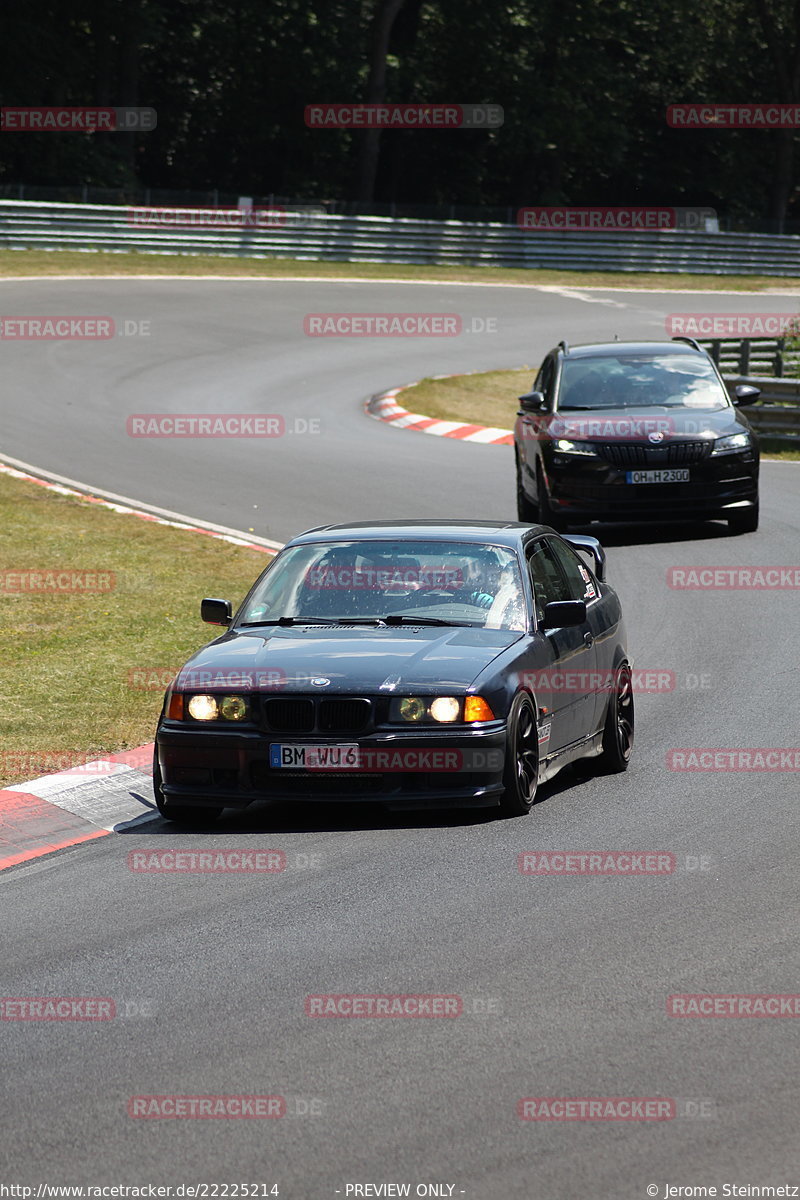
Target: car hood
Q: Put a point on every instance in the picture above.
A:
(634, 424)
(351, 659)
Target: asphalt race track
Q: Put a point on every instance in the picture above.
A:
(564, 980)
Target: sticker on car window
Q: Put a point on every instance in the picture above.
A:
(590, 592)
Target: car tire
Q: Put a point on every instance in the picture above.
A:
(619, 729)
(547, 514)
(526, 509)
(521, 768)
(745, 521)
(181, 814)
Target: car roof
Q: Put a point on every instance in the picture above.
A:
(505, 533)
(608, 349)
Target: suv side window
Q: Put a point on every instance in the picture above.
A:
(582, 584)
(545, 379)
(547, 578)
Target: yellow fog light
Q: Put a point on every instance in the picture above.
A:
(445, 708)
(233, 708)
(477, 709)
(203, 708)
(412, 708)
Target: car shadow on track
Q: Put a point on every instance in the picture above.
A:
(634, 534)
(329, 817)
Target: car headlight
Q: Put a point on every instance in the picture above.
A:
(440, 710)
(209, 708)
(233, 708)
(422, 710)
(412, 708)
(203, 708)
(732, 443)
(564, 446)
(446, 709)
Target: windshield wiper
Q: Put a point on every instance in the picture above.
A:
(404, 619)
(316, 621)
(362, 621)
(291, 621)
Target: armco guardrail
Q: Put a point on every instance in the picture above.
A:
(54, 226)
(761, 356)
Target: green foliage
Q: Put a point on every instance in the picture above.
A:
(584, 84)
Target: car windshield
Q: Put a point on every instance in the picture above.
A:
(455, 583)
(641, 380)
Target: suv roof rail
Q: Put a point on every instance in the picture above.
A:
(564, 345)
(692, 342)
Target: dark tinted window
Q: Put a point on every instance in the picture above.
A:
(546, 378)
(582, 583)
(549, 583)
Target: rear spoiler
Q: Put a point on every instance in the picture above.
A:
(582, 541)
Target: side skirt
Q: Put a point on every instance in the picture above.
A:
(588, 747)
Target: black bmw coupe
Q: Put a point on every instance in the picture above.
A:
(418, 664)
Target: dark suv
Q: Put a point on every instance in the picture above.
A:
(635, 431)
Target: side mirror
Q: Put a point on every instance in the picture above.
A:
(216, 612)
(746, 394)
(533, 402)
(563, 614)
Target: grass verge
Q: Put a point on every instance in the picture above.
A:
(88, 263)
(66, 682)
(490, 398)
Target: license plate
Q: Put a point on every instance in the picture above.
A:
(674, 475)
(307, 757)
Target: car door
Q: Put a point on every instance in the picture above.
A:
(533, 425)
(555, 575)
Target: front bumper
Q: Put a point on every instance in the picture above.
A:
(594, 489)
(402, 769)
